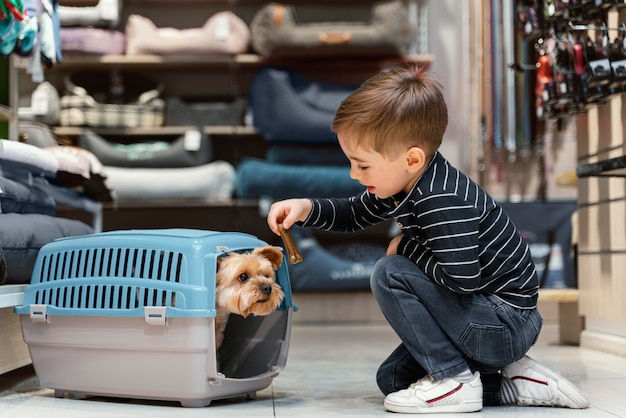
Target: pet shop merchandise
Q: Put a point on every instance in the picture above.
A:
(179, 112)
(223, 33)
(105, 14)
(132, 314)
(257, 178)
(92, 41)
(90, 30)
(191, 149)
(388, 31)
(44, 106)
(79, 108)
(335, 267)
(286, 107)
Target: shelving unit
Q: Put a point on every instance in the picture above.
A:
(11, 295)
(214, 76)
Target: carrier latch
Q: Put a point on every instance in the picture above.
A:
(155, 315)
(38, 314)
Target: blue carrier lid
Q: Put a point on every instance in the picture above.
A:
(127, 273)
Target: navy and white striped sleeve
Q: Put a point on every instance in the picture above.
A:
(347, 214)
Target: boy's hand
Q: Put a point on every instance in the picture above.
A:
(288, 212)
(392, 248)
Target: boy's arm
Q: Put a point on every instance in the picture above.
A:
(347, 214)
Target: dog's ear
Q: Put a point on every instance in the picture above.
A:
(273, 254)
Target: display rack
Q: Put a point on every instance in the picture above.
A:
(215, 77)
(613, 167)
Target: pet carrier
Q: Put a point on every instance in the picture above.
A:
(132, 314)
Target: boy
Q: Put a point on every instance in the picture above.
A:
(458, 285)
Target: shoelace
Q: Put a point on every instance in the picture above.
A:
(422, 382)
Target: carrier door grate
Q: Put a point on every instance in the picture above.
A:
(113, 262)
(112, 267)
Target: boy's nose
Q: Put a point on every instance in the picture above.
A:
(354, 173)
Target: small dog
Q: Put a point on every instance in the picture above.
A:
(246, 284)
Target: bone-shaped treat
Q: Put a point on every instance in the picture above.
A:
(292, 251)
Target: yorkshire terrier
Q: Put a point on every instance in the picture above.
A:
(246, 284)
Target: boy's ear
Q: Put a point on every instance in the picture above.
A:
(415, 159)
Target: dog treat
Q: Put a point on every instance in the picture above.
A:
(292, 251)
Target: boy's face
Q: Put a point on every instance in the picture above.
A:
(382, 176)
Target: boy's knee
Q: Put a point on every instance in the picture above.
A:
(380, 274)
(391, 266)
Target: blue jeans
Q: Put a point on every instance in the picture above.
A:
(443, 333)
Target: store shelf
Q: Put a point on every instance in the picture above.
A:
(11, 295)
(157, 131)
(613, 167)
(224, 60)
(7, 114)
(181, 202)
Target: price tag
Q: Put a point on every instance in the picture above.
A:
(222, 29)
(39, 102)
(109, 11)
(192, 140)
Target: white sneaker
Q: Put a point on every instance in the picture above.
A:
(427, 396)
(537, 385)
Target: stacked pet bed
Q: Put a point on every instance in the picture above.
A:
(183, 169)
(294, 115)
(388, 30)
(27, 208)
(90, 30)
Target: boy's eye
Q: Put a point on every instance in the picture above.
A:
(363, 168)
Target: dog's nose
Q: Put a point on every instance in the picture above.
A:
(266, 289)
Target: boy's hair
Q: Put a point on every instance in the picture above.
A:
(395, 110)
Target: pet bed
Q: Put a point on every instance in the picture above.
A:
(79, 108)
(23, 235)
(277, 31)
(332, 269)
(92, 41)
(181, 113)
(306, 154)
(16, 197)
(106, 13)
(75, 167)
(214, 182)
(223, 33)
(29, 159)
(189, 150)
(284, 106)
(256, 178)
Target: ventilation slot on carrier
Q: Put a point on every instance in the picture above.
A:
(104, 297)
(112, 262)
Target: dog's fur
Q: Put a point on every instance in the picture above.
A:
(246, 284)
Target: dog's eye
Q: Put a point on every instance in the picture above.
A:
(243, 277)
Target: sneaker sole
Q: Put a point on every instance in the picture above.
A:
(472, 406)
(570, 391)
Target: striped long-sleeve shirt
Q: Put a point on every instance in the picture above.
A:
(453, 230)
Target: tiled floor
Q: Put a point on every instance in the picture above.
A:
(330, 373)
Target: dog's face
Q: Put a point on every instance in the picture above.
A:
(246, 282)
